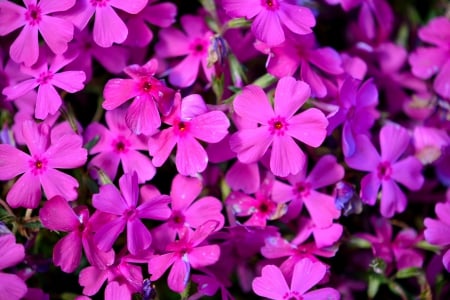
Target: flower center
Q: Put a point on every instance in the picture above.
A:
(38, 165)
(294, 295)
(181, 128)
(199, 47)
(121, 145)
(130, 214)
(278, 126)
(384, 170)
(302, 189)
(45, 77)
(178, 219)
(99, 3)
(270, 4)
(33, 14)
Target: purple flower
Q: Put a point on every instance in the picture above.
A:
(117, 145)
(124, 204)
(11, 285)
(386, 169)
(56, 31)
(278, 126)
(47, 153)
(399, 251)
(272, 284)
(190, 120)
(183, 254)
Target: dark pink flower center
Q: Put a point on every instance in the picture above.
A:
(99, 3)
(45, 77)
(278, 126)
(181, 128)
(130, 214)
(121, 145)
(199, 47)
(33, 15)
(302, 189)
(38, 165)
(178, 218)
(270, 4)
(384, 170)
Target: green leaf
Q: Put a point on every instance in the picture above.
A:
(90, 144)
(238, 23)
(373, 285)
(408, 273)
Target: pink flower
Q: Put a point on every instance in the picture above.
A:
(11, 285)
(435, 59)
(46, 78)
(317, 66)
(386, 169)
(56, 31)
(190, 120)
(437, 231)
(193, 43)
(271, 18)
(278, 126)
(56, 214)
(186, 211)
(302, 189)
(124, 204)
(39, 167)
(117, 145)
(272, 284)
(149, 94)
(108, 26)
(183, 254)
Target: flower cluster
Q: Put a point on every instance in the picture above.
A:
(230, 149)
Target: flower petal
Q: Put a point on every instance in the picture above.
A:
(191, 157)
(131, 7)
(290, 95)
(106, 235)
(142, 116)
(26, 192)
(286, 157)
(326, 171)
(392, 199)
(253, 104)
(309, 127)
(57, 33)
(12, 285)
(323, 293)
(138, 236)
(408, 172)
(179, 275)
(210, 127)
(140, 163)
(56, 214)
(56, 183)
(185, 72)
(48, 101)
(297, 18)
(109, 200)
(204, 210)
(67, 252)
(158, 264)
(306, 275)
(67, 152)
(108, 27)
(184, 190)
(394, 139)
(370, 185)
(161, 145)
(70, 81)
(321, 208)
(118, 91)
(271, 284)
(12, 162)
(267, 28)
(366, 157)
(251, 144)
(26, 46)
(204, 256)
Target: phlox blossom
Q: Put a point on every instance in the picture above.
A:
(278, 126)
(190, 120)
(149, 95)
(47, 153)
(386, 169)
(56, 31)
(272, 284)
(272, 17)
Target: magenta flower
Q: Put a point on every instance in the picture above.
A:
(400, 252)
(56, 214)
(108, 26)
(435, 59)
(278, 126)
(357, 111)
(149, 94)
(302, 189)
(272, 284)
(46, 78)
(186, 211)
(11, 285)
(193, 43)
(183, 254)
(124, 204)
(47, 153)
(190, 120)
(437, 231)
(117, 145)
(317, 66)
(271, 18)
(386, 169)
(34, 18)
